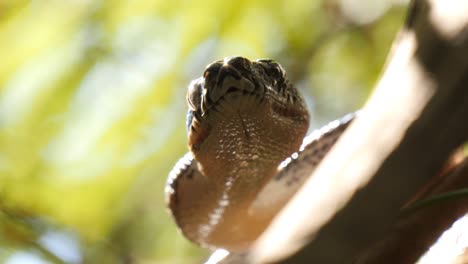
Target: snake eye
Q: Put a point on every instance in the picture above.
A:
(273, 71)
(194, 95)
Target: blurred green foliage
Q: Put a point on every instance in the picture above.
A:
(92, 108)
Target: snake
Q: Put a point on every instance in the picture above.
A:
(248, 152)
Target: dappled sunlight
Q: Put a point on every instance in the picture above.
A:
(35, 79)
(111, 89)
(21, 257)
(63, 245)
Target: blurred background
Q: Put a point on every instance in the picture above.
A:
(92, 108)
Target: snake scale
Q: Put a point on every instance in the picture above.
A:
(246, 126)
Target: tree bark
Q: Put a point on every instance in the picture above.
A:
(415, 231)
(417, 116)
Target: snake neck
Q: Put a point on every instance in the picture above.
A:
(238, 158)
(244, 147)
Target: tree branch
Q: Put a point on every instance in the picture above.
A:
(413, 121)
(414, 232)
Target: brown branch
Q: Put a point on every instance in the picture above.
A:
(415, 232)
(411, 124)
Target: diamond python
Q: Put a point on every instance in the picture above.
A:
(246, 125)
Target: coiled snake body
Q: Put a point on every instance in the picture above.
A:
(246, 126)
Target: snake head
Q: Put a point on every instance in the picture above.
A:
(225, 82)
